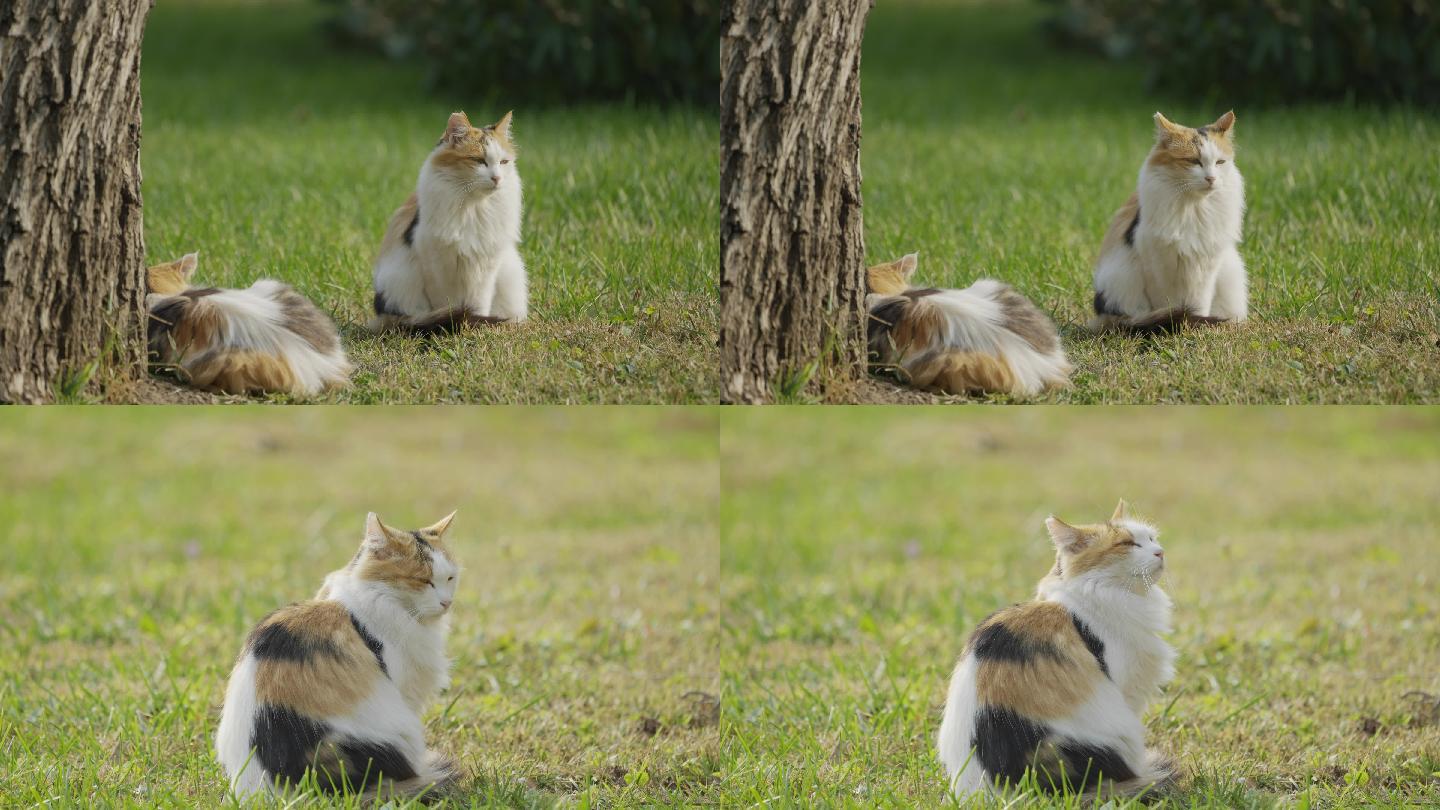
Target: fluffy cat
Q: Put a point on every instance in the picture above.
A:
(337, 685)
(982, 339)
(264, 338)
(1170, 255)
(449, 257)
(1058, 684)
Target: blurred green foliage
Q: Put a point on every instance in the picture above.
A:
(646, 50)
(1272, 50)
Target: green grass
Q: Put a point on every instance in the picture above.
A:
(993, 154)
(142, 544)
(275, 155)
(861, 546)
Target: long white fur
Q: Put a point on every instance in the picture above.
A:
(465, 247)
(253, 320)
(413, 638)
(974, 321)
(1185, 253)
(1130, 624)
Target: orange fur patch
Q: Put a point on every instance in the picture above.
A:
(1048, 685)
(477, 143)
(1102, 543)
(399, 222)
(960, 373)
(239, 372)
(886, 279)
(326, 683)
(1115, 236)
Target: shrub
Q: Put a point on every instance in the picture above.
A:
(1268, 50)
(657, 50)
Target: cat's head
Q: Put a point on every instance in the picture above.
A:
(476, 159)
(171, 278)
(1122, 550)
(891, 278)
(413, 567)
(1198, 160)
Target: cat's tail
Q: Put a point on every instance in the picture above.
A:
(261, 339)
(1159, 322)
(984, 339)
(440, 322)
(436, 777)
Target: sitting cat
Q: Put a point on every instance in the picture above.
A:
(983, 339)
(260, 339)
(1169, 256)
(336, 686)
(1057, 685)
(449, 257)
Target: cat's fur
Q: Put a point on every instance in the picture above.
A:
(266, 338)
(450, 255)
(337, 685)
(1170, 255)
(986, 338)
(1058, 684)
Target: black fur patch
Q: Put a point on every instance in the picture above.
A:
(882, 319)
(368, 762)
(194, 293)
(1005, 742)
(420, 541)
(410, 231)
(378, 649)
(1102, 306)
(995, 642)
(160, 322)
(284, 741)
(276, 643)
(1086, 764)
(1130, 231)
(919, 293)
(1092, 642)
(382, 307)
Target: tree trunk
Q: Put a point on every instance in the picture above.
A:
(792, 247)
(72, 254)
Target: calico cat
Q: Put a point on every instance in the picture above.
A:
(336, 686)
(260, 339)
(983, 339)
(449, 257)
(1170, 255)
(1058, 685)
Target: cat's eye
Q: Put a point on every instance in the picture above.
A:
(503, 162)
(1196, 161)
(1218, 162)
(451, 579)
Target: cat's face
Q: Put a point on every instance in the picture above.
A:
(891, 278)
(1197, 160)
(1120, 549)
(414, 567)
(171, 278)
(478, 159)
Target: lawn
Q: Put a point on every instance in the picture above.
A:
(141, 546)
(1304, 565)
(276, 155)
(993, 154)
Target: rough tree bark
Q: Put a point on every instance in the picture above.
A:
(792, 250)
(72, 253)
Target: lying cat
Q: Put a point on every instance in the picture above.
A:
(335, 687)
(261, 339)
(1057, 686)
(449, 257)
(1170, 255)
(986, 338)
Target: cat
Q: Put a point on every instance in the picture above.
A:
(986, 338)
(1058, 684)
(1170, 255)
(449, 257)
(266, 338)
(337, 685)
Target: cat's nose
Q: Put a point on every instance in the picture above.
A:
(1160, 553)
(1210, 179)
(444, 605)
(495, 178)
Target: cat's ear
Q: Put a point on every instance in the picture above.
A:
(503, 125)
(456, 128)
(440, 527)
(1063, 535)
(1122, 511)
(907, 265)
(1164, 128)
(187, 265)
(1224, 123)
(379, 536)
